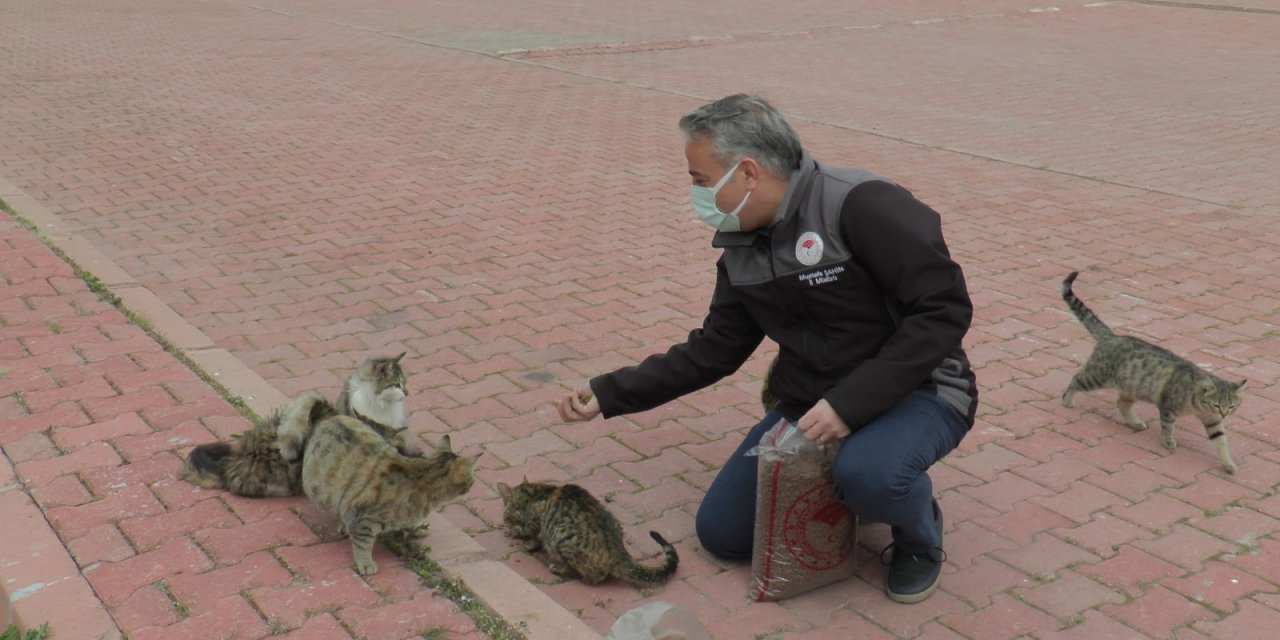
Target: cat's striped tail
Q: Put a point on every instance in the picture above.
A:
(1097, 328)
(641, 575)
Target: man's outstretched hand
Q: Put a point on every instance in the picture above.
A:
(579, 405)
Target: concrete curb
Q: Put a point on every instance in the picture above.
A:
(38, 579)
(496, 585)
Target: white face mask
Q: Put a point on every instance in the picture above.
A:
(704, 203)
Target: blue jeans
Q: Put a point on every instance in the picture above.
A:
(879, 474)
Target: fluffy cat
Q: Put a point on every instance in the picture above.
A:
(350, 470)
(250, 464)
(1143, 371)
(376, 391)
(265, 460)
(583, 540)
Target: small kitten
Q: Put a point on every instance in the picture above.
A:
(376, 391)
(582, 538)
(349, 469)
(265, 461)
(1143, 371)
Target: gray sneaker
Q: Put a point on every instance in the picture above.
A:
(912, 576)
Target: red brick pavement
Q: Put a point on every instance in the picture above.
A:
(100, 537)
(298, 185)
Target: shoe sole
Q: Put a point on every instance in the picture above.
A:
(912, 598)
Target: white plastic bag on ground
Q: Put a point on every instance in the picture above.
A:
(657, 621)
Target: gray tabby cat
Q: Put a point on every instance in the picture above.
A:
(1143, 371)
(350, 470)
(583, 540)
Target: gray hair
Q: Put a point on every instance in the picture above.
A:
(745, 125)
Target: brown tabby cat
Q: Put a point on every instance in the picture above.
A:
(582, 538)
(1143, 371)
(349, 469)
(265, 460)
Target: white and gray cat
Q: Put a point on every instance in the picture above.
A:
(376, 391)
(375, 394)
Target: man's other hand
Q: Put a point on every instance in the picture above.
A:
(822, 424)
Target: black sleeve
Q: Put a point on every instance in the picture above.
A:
(898, 239)
(727, 338)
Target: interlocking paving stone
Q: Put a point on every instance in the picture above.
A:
(291, 187)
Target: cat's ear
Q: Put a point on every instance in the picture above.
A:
(444, 444)
(397, 358)
(1239, 386)
(505, 491)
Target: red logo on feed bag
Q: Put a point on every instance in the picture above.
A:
(816, 529)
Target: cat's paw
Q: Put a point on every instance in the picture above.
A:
(1168, 442)
(410, 451)
(366, 567)
(1229, 467)
(1137, 425)
(561, 570)
(1067, 402)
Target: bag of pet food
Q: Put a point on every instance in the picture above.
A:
(804, 536)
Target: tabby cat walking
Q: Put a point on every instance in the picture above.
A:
(1140, 370)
